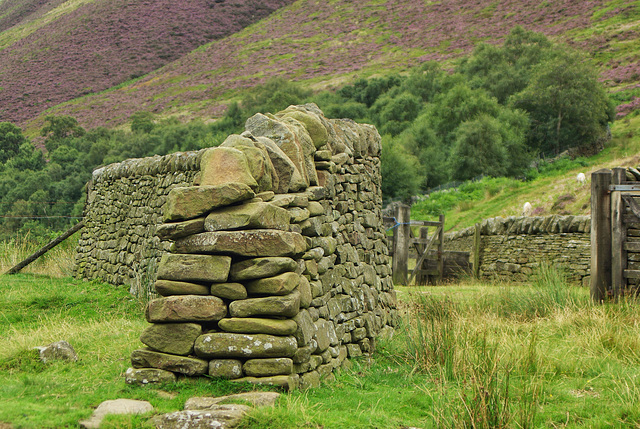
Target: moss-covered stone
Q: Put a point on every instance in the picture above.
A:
(253, 243)
(254, 325)
(195, 268)
(174, 338)
(169, 362)
(282, 284)
(194, 201)
(258, 268)
(186, 308)
(230, 345)
(268, 367)
(283, 306)
(248, 216)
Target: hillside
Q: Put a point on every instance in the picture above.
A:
(325, 43)
(53, 51)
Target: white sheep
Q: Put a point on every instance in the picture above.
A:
(581, 178)
(527, 209)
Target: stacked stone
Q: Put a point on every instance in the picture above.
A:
(279, 270)
(124, 205)
(512, 248)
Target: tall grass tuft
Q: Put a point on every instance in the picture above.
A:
(58, 262)
(550, 291)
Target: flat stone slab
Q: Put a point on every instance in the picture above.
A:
(230, 345)
(194, 268)
(171, 231)
(229, 290)
(259, 268)
(173, 338)
(144, 376)
(172, 287)
(186, 308)
(253, 243)
(268, 367)
(218, 417)
(282, 306)
(258, 215)
(254, 399)
(115, 406)
(168, 362)
(256, 325)
(194, 201)
(282, 284)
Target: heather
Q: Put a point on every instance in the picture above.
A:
(327, 43)
(437, 127)
(92, 46)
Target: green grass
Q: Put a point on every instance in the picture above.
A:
(468, 355)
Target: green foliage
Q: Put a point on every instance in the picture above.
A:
(274, 95)
(59, 128)
(142, 122)
(400, 175)
(11, 139)
(568, 106)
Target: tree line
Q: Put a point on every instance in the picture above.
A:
(492, 114)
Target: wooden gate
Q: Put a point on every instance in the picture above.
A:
(426, 248)
(615, 233)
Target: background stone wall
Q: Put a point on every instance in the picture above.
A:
(512, 248)
(273, 262)
(124, 206)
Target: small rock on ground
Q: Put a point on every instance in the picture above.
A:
(116, 406)
(60, 350)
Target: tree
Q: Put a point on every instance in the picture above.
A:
(10, 140)
(567, 104)
(142, 122)
(478, 149)
(58, 129)
(506, 70)
(400, 175)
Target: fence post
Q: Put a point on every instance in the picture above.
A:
(401, 243)
(600, 234)
(618, 235)
(476, 251)
(441, 250)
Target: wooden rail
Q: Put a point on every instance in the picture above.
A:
(53, 243)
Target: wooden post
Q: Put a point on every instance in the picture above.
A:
(46, 248)
(401, 242)
(421, 278)
(441, 250)
(600, 235)
(476, 251)
(618, 236)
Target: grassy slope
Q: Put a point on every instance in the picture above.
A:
(576, 363)
(84, 46)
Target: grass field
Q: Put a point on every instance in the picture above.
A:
(468, 355)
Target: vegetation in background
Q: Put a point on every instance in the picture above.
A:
(437, 127)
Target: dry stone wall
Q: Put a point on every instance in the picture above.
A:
(273, 263)
(124, 206)
(513, 248)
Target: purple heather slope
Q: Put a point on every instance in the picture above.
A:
(104, 43)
